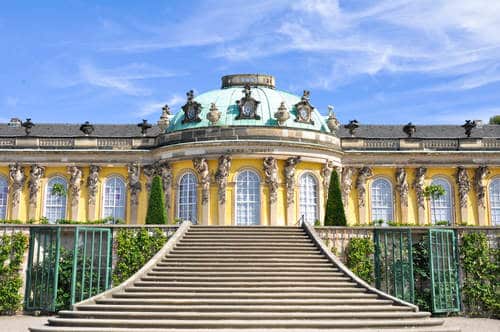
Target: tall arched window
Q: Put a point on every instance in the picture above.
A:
(4, 194)
(55, 201)
(247, 198)
(382, 206)
(308, 197)
(441, 207)
(187, 200)
(495, 202)
(114, 198)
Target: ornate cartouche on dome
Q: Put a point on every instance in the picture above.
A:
(248, 79)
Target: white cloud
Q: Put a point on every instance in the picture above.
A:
(123, 79)
(11, 101)
(155, 107)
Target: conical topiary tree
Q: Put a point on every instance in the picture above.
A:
(156, 205)
(335, 214)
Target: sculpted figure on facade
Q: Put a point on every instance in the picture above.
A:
(17, 177)
(201, 166)
(463, 185)
(290, 165)
(75, 183)
(134, 182)
(36, 174)
(326, 173)
(363, 174)
(164, 170)
(271, 177)
(346, 184)
(479, 185)
(149, 172)
(418, 185)
(402, 185)
(92, 183)
(221, 176)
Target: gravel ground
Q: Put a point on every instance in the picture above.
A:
(21, 323)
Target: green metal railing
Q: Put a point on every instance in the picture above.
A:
(91, 263)
(444, 271)
(42, 270)
(394, 262)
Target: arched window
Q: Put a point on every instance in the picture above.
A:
(495, 202)
(55, 201)
(114, 199)
(187, 200)
(441, 207)
(308, 198)
(247, 198)
(4, 194)
(382, 206)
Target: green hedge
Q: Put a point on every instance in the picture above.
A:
(134, 248)
(359, 258)
(12, 248)
(156, 214)
(335, 214)
(481, 267)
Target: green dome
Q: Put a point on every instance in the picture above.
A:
(225, 100)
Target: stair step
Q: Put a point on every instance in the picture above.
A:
(217, 274)
(245, 238)
(247, 260)
(234, 323)
(245, 308)
(222, 266)
(152, 282)
(241, 295)
(240, 315)
(124, 329)
(252, 302)
(248, 251)
(256, 290)
(242, 277)
(255, 255)
(269, 245)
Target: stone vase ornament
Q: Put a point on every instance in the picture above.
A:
(282, 114)
(332, 122)
(213, 115)
(164, 121)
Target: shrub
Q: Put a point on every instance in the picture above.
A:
(335, 214)
(134, 249)
(421, 274)
(156, 205)
(359, 258)
(481, 284)
(12, 248)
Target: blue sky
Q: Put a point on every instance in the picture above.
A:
(387, 61)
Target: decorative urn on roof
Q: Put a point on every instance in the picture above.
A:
(87, 128)
(282, 114)
(213, 114)
(164, 121)
(332, 122)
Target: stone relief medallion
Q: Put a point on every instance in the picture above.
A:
(191, 109)
(304, 109)
(247, 106)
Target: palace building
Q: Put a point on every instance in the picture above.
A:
(250, 154)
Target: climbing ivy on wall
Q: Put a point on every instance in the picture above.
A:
(481, 284)
(12, 248)
(359, 258)
(133, 249)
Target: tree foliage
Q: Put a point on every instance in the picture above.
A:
(156, 205)
(335, 214)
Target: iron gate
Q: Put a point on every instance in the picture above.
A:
(444, 271)
(394, 263)
(91, 263)
(43, 267)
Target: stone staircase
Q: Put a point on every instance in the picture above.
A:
(243, 278)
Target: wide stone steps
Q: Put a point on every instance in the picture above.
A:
(242, 295)
(235, 323)
(243, 315)
(254, 278)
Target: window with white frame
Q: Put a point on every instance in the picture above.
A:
(187, 200)
(308, 198)
(381, 200)
(4, 194)
(441, 207)
(247, 198)
(55, 200)
(114, 198)
(495, 202)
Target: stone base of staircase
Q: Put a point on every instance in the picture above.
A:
(251, 279)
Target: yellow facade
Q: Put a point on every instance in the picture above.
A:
(181, 167)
